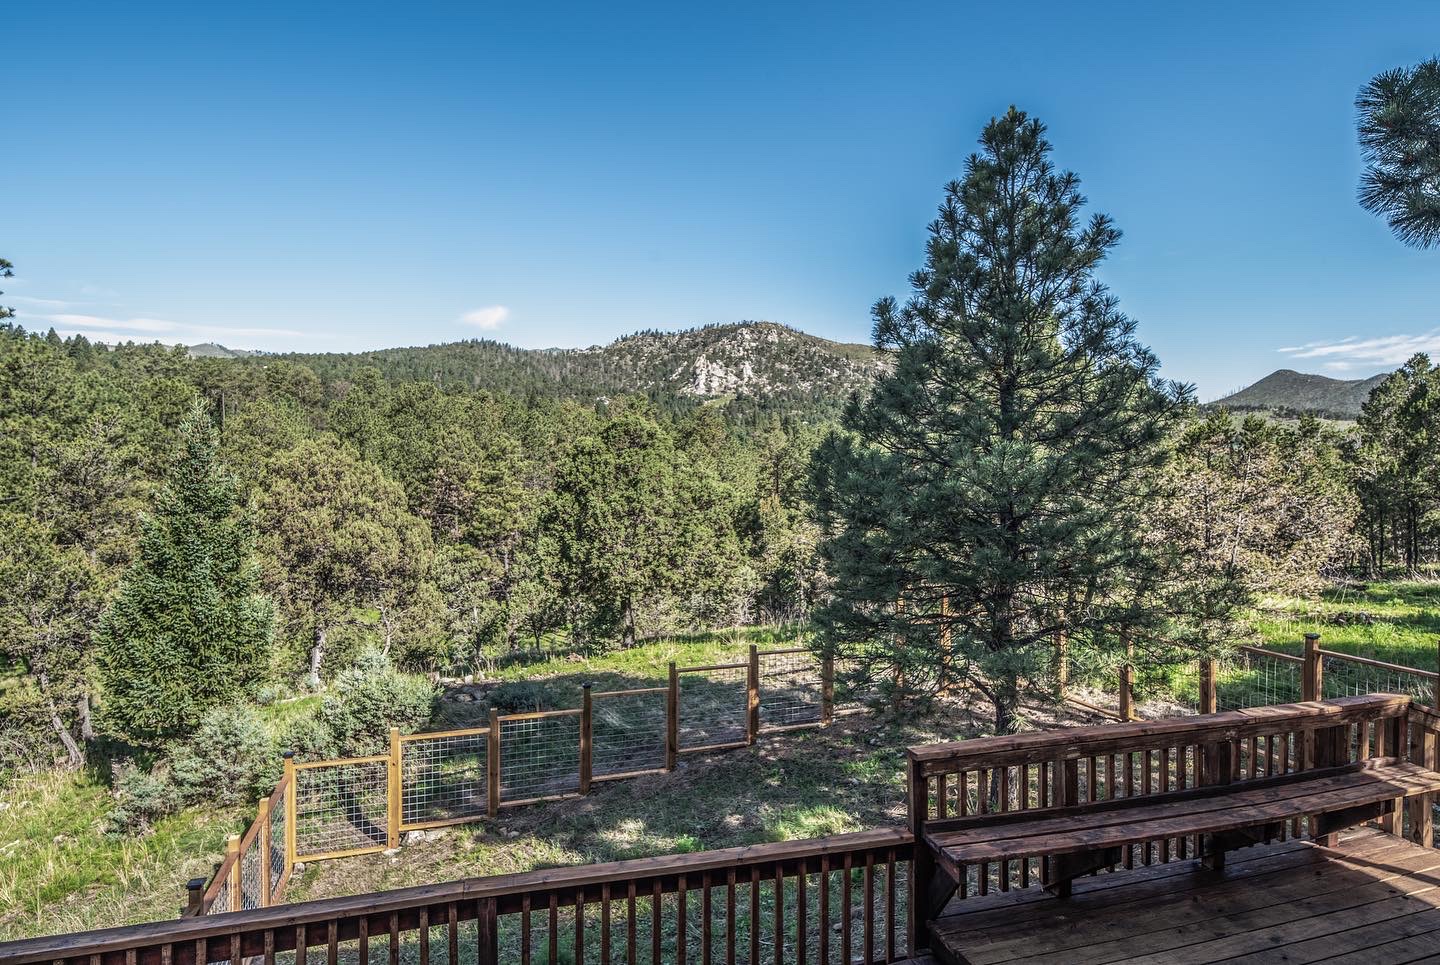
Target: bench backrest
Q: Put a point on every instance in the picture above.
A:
(1076, 765)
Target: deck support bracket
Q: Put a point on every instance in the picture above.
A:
(1329, 824)
(1217, 844)
(1065, 868)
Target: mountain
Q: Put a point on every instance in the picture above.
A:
(1291, 391)
(747, 366)
(211, 350)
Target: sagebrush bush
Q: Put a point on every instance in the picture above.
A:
(370, 698)
(309, 737)
(520, 697)
(231, 758)
(142, 797)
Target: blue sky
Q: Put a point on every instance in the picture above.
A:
(320, 176)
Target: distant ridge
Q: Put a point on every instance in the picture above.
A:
(1289, 391)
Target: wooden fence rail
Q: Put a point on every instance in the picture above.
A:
(364, 805)
(843, 897)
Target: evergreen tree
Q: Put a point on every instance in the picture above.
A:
(189, 628)
(1398, 466)
(1400, 134)
(990, 492)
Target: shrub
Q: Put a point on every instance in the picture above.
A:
(309, 737)
(142, 797)
(519, 697)
(231, 758)
(370, 698)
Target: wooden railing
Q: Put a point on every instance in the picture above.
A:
(1052, 770)
(842, 897)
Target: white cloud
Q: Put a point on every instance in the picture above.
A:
(101, 329)
(489, 318)
(1356, 352)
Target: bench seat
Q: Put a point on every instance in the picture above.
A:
(1348, 795)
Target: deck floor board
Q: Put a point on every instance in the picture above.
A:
(1373, 898)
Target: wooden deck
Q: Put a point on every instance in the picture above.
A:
(1373, 899)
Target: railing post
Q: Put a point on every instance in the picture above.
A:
(492, 764)
(1392, 732)
(922, 867)
(1209, 696)
(194, 898)
(1423, 751)
(393, 797)
(1313, 672)
(1127, 681)
(827, 688)
(586, 737)
(262, 815)
(752, 695)
(237, 880)
(292, 793)
(672, 718)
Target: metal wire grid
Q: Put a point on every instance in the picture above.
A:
(1250, 679)
(627, 732)
(252, 876)
(341, 807)
(713, 706)
(275, 860)
(1347, 678)
(539, 756)
(791, 689)
(443, 778)
(857, 680)
(222, 896)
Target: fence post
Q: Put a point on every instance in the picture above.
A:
(492, 764)
(237, 880)
(194, 898)
(586, 737)
(1062, 663)
(1312, 677)
(1209, 696)
(262, 815)
(1127, 681)
(752, 696)
(827, 688)
(292, 793)
(672, 718)
(395, 792)
(1436, 697)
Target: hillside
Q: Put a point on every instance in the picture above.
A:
(755, 366)
(1291, 391)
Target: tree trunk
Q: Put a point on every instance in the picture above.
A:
(87, 728)
(317, 654)
(628, 640)
(72, 749)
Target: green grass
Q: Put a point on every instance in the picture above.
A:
(1397, 621)
(59, 872)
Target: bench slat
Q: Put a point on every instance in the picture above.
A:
(1233, 807)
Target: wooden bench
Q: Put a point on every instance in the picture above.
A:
(991, 813)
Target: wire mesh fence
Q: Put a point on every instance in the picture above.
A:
(628, 731)
(443, 777)
(252, 875)
(341, 807)
(713, 705)
(539, 755)
(275, 843)
(1256, 678)
(1346, 676)
(792, 687)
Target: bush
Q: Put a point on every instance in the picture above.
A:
(519, 697)
(370, 698)
(309, 737)
(231, 758)
(142, 797)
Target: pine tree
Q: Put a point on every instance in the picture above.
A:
(989, 493)
(1400, 134)
(189, 628)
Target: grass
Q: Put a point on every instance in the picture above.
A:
(59, 872)
(1397, 621)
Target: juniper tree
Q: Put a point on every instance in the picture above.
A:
(1400, 134)
(189, 628)
(990, 493)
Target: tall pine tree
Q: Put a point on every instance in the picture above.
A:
(990, 492)
(189, 628)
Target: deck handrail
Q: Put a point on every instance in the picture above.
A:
(384, 915)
